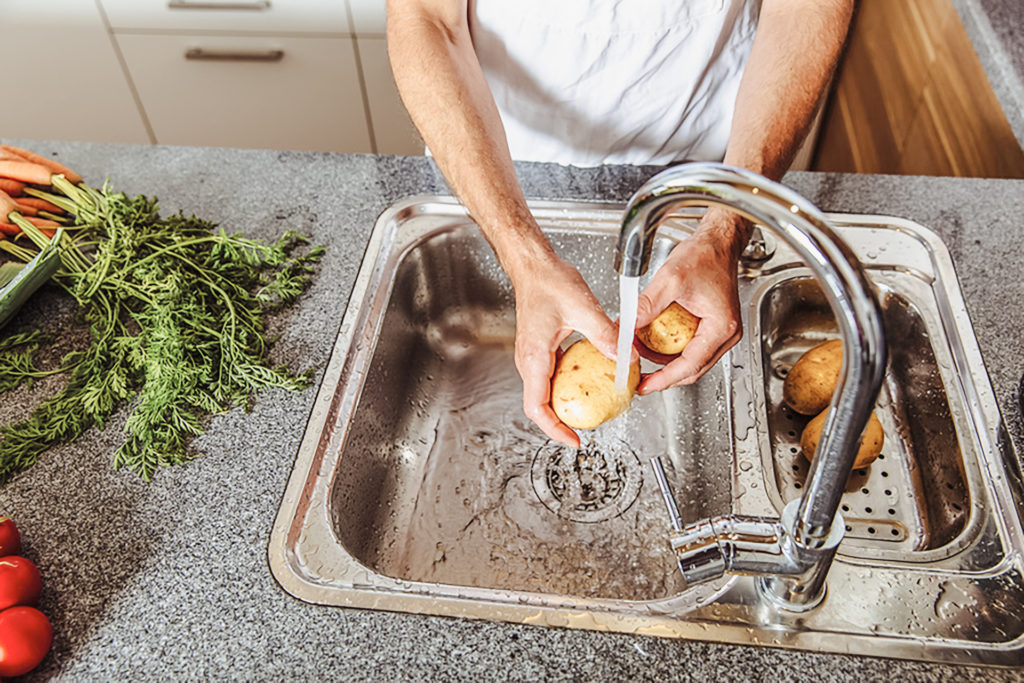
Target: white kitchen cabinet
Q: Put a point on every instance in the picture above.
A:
(272, 92)
(277, 17)
(393, 131)
(61, 75)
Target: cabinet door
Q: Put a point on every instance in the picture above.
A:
(61, 75)
(274, 17)
(252, 91)
(393, 131)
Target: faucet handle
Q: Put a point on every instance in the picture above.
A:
(670, 504)
(760, 247)
(666, 493)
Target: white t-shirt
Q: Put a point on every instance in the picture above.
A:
(590, 82)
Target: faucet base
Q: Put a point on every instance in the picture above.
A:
(806, 590)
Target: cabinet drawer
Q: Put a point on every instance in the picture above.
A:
(267, 92)
(261, 16)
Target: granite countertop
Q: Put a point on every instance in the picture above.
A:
(169, 579)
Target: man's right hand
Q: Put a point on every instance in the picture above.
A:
(444, 89)
(553, 301)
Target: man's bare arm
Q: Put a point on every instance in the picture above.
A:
(794, 54)
(443, 88)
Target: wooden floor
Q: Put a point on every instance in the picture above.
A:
(911, 97)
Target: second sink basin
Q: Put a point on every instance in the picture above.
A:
(420, 485)
(915, 500)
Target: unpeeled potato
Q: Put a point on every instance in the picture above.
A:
(811, 381)
(870, 443)
(583, 387)
(670, 332)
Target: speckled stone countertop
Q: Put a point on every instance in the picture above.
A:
(169, 580)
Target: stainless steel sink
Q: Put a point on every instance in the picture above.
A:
(421, 487)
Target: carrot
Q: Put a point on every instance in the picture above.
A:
(11, 187)
(41, 222)
(12, 230)
(25, 171)
(7, 205)
(25, 209)
(54, 166)
(39, 204)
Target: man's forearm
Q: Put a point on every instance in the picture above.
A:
(791, 63)
(441, 83)
(794, 55)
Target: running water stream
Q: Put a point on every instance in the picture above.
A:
(628, 294)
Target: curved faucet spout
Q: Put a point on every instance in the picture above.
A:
(853, 301)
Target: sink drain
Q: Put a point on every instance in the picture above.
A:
(587, 485)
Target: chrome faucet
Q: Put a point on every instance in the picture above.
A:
(792, 554)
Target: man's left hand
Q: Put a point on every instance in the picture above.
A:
(700, 275)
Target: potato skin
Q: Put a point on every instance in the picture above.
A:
(670, 332)
(811, 381)
(583, 387)
(870, 443)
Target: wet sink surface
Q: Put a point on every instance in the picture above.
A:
(454, 485)
(421, 486)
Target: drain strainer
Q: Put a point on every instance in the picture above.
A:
(586, 485)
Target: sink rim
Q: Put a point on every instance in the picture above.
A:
(304, 499)
(367, 301)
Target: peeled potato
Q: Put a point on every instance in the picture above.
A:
(670, 332)
(811, 381)
(583, 387)
(870, 443)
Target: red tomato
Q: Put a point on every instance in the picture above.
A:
(20, 582)
(10, 539)
(25, 638)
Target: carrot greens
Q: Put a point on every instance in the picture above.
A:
(176, 309)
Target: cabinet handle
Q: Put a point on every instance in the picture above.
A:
(186, 4)
(235, 55)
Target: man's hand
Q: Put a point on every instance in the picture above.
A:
(552, 301)
(700, 275)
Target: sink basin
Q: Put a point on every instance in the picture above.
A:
(421, 487)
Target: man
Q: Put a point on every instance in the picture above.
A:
(611, 81)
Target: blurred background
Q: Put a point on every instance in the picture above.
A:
(925, 87)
